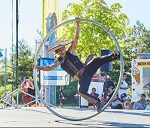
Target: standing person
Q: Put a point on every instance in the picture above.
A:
(124, 86)
(26, 86)
(61, 96)
(71, 63)
(108, 86)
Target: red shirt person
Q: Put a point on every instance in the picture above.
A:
(26, 86)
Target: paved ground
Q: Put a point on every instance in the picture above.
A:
(41, 117)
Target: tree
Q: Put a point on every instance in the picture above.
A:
(25, 62)
(139, 39)
(2, 67)
(93, 38)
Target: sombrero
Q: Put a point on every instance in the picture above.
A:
(59, 44)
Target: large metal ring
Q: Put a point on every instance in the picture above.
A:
(120, 76)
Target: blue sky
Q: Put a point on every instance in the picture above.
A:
(135, 10)
(30, 17)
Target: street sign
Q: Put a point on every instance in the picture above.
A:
(55, 77)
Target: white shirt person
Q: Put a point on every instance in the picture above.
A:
(124, 86)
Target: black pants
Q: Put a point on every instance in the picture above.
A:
(90, 70)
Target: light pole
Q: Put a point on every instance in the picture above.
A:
(17, 21)
(5, 66)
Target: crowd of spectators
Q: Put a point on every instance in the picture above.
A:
(122, 100)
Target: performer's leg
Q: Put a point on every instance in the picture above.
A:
(89, 98)
(99, 61)
(84, 83)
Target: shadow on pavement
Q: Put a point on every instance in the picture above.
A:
(95, 123)
(136, 112)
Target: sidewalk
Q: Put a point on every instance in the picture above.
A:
(41, 117)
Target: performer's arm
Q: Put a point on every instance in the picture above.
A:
(75, 40)
(31, 85)
(49, 67)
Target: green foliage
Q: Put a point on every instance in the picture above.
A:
(2, 74)
(139, 40)
(2, 93)
(69, 92)
(9, 89)
(2, 90)
(25, 61)
(25, 67)
(93, 38)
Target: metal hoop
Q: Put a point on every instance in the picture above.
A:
(120, 76)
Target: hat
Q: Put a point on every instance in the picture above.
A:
(123, 95)
(59, 44)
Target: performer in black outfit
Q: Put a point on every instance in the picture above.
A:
(70, 62)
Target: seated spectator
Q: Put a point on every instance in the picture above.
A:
(118, 103)
(127, 103)
(102, 100)
(110, 93)
(93, 94)
(141, 104)
(147, 85)
(148, 104)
